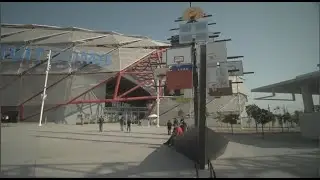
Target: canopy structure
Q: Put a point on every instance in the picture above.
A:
(306, 84)
(293, 85)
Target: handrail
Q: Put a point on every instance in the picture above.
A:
(197, 169)
(212, 172)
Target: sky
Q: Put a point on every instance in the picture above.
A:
(278, 40)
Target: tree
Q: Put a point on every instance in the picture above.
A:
(273, 120)
(286, 119)
(265, 117)
(231, 119)
(253, 112)
(296, 117)
(279, 117)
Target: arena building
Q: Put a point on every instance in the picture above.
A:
(120, 80)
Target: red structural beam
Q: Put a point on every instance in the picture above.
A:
(132, 89)
(105, 81)
(58, 105)
(116, 89)
(153, 54)
(143, 72)
(129, 91)
(114, 100)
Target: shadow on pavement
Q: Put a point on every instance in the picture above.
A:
(29, 170)
(103, 141)
(134, 132)
(272, 140)
(163, 162)
(303, 165)
(101, 134)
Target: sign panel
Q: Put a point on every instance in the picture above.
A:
(217, 77)
(179, 55)
(179, 80)
(196, 30)
(235, 68)
(184, 67)
(226, 91)
(216, 52)
(13, 53)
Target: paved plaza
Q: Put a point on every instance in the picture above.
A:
(81, 151)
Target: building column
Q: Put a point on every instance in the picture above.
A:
(307, 99)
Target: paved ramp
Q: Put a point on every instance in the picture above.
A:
(81, 151)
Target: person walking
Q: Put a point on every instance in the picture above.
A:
(177, 131)
(169, 127)
(129, 125)
(121, 121)
(181, 121)
(101, 121)
(175, 122)
(184, 126)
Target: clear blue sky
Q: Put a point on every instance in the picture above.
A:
(278, 40)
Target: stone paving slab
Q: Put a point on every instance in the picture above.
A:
(81, 151)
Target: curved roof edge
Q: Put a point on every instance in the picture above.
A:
(7, 25)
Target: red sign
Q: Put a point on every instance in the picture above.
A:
(179, 80)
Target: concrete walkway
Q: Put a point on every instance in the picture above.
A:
(81, 151)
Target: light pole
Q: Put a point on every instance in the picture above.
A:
(191, 15)
(44, 95)
(0, 91)
(158, 102)
(159, 74)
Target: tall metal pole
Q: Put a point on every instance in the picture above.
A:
(1, 78)
(239, 107)
(195, 84)
(202, 107)
(44, 95)
(158, 102)
(319, 50)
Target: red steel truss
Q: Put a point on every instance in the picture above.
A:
(142, 71)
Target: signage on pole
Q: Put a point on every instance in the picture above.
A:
(235, 68)
(184, 67)
(178, 56)
(218, 92)
(217, 77)
(195, 30)
(216, 52)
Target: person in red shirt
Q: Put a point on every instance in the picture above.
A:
(177, 131)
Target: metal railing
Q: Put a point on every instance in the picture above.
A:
(212, 172)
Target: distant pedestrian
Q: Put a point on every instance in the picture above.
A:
(177, 131)
(121, 121)
(175, 122)
(184, 126)
(169, 127)
(181, 121)
(81, 119)
(101, 121)
(129, 125)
